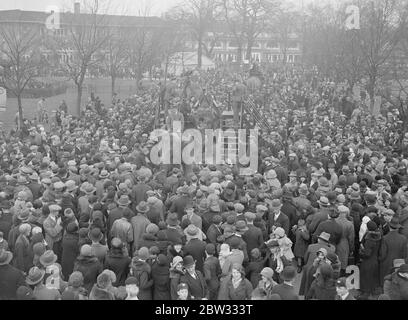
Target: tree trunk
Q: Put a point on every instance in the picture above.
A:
(113, 80)
(200, 52)
(239, 54)
(371, 89)
(79, 98)
(249, 48)
(20, 111)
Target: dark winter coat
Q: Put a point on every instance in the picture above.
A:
(10, 279)
(396, 287)
(242, 292)
(197, 287)
(301, 243)
(196, 248)
(148, 240)
(119, 264)
(22, 259)
(175, 276)
(70, 251)
(369, 268)
(142, 272)
(253, 270)
(90, 267)
(393, 246)
(212, 271)
(161, 281)
(98, 293)
(321, 290)
(253, 238)
(333, 228)
(213, 233)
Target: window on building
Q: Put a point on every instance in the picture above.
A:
(255, 56)
(272, 44)
(233, 44)
(292, 44)
(290, 58)
(217, 44)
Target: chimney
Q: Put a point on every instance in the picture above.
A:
(77, 8)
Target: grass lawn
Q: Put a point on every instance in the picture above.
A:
(100, 86)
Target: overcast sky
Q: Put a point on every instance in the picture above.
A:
(128, 7)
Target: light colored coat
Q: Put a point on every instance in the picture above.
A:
(53, 232)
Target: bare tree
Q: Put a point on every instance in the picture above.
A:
(115, 57)
(19, 58)
(246, 20)
(198, 16)
(86, 35)
(383, 23)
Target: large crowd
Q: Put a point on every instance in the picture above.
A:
(85, 214)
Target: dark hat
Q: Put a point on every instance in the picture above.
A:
(272, 243)
(210, 248)
(394, 224)
(331, 196)
(403, 268)
(72, 227)
(341, 282)
(131, 281)
(371, 226)
(332, 257)
(95, 235)
(288, 273)
(234, 243)
(241, 226)
(172, 219)
(188, 261)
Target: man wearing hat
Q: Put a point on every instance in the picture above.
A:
(195, 247)
(141, 270)
(330, 226)
(194, 279)
(139, 223)
(139, 191)
(10, 277)
(34, 186)
(35, 278)
(396, 284)
(342, 290)
(253, 236)
(22, 258)
(345, 247)
(192, 216)
(117, 212)
(211, 271)
(276, 217)
(313, 220)
(180, 203)
(214, 230)
(286, 289)
(100, 250)
(123, 229)
(393, 246)
(53, 229)
(173, 232)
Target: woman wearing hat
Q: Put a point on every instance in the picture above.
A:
(237, 287)
(176, 272)
(89, 265)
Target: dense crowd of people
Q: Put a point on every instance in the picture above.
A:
(85, 214)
